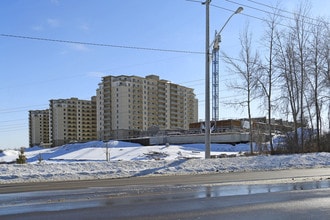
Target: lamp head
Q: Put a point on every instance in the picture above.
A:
(239, 10)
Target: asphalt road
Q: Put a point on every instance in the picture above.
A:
(287, 194)
(169, 180)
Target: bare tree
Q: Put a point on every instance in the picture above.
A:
(268, 74)
(287, 64)
(300, 31)
(292, 59)
(317, 65)
(326, 70)
(246, 67)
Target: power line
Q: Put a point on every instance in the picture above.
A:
(268, 6)
(282, 10)
(280, 15)
(10, 126)
(142, 48)
(129, 47)
(23, 108)
(20, 128)
(41, 81)
(257, 9)
(27, 108)
(101, 44)
(6, 121)
(247, 15)
(195, 1)
(252, 16)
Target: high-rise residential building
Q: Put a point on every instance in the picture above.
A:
(72, 120)
(130, 105)
(39, 128)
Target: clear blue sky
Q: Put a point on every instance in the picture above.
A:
(34, 71)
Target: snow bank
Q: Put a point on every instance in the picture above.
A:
(88, 161)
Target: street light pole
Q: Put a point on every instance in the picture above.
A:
(207, 81)
(207, 72)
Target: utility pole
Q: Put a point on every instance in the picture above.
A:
(207, 71)
(207, 81)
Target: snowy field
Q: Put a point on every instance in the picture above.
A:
(89, 161)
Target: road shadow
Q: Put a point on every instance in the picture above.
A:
(157, 170)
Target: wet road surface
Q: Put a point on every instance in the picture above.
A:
(306, 199)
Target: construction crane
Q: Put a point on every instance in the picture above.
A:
(215, 69)
(215, 77)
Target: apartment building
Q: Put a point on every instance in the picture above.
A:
(130, 105)
(72, 120)
(39, 127)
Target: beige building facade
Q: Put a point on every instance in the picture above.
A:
(39, 128)
(72, 120)
(124, 107)
(128, 106)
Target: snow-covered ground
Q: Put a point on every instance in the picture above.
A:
(89, 161)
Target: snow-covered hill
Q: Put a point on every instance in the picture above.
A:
(89, 161)
(118, 150)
